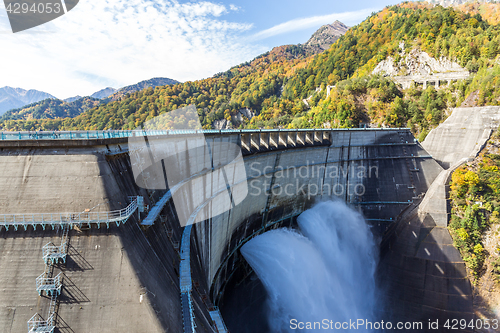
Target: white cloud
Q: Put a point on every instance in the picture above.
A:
(120, 42)
(310, 22)
(234, 7)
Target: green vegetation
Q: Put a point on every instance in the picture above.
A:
(378, 99)
(255, 85)
(475, 196)
(467, 39)
(50, 109)
(275, 84)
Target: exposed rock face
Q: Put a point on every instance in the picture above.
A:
(249, 114)
(222, 124)
(239, 118)
(418, 67)
(236, 120)
(326, 35)
(416, 62)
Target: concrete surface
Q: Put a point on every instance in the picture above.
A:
(127, 262)
(424, 273)
(111, 279)
(462, 134)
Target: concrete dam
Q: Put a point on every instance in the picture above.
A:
(127, 263)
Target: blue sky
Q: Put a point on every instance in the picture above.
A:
(115, 43)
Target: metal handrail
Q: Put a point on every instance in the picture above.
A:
(112, 134)
(52, 310)
(68, 219)
(48, 284)
(218, 320)
(39, 325)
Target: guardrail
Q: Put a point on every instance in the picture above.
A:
(111, 134)
(219, 322)
(68, 219)
(52, 286)
(186, 283)
(40, 325)
(53, 252)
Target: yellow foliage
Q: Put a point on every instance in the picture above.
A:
(488, 11)
(478, 249)
(462, 233)
(471, 178)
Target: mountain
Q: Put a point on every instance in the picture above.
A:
(291, 87)
(11, 98)
(51, 109)
(325, 36)
(252, 88)
(103, 93)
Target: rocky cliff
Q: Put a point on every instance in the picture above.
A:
(416, 62)
(326, 36)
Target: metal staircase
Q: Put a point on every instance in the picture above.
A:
(53, 254)
(51, 285)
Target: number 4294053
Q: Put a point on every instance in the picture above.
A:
(456, 324)
(40, 8)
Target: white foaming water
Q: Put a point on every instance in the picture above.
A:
(325, 272)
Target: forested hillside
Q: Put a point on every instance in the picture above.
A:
(275, 85)
(51, 109)
(475, 220)
(255, 84)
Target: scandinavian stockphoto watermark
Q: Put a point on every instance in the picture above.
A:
(26, 14)
(205, 175)
(331, 180)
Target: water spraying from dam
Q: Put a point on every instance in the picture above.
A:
(325, 271)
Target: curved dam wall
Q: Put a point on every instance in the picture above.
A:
(127, 277)
(378, 172)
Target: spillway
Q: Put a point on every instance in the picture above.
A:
(326, 270)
